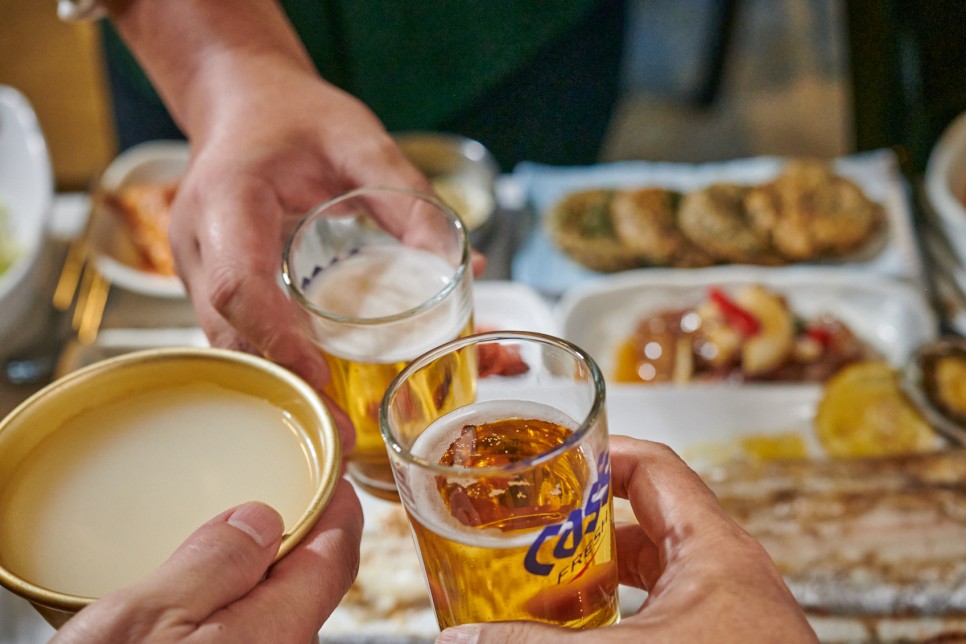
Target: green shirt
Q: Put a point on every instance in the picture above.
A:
(416, 63)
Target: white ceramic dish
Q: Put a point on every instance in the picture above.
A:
(543, 266)
(706, 422)
(945, 183)
(706, 425)
(890, 315)
(507, 306)
(113, 251)
(26, 194)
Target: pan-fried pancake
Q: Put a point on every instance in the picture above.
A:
(645, 221)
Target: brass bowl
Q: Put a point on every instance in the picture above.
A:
(463, 173)
(112, 381)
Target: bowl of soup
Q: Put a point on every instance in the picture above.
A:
(106, 471)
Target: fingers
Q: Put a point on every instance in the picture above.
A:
(240, 304)
(672, 504)
(666, 495)
(306, 585)
(241, 272)
(638, 559)
(347, 432)
(478, 262)
(502, 632)
(228, 252)
(219, 563)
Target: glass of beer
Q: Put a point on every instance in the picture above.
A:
(508, 488)
(383, 275)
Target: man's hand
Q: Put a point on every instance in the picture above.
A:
(707, 579)
(214, 588)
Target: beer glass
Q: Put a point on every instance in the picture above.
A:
(507, 489)
(382, 275)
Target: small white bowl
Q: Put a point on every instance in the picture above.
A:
(114, 254)
(26, 194)
(945, 183)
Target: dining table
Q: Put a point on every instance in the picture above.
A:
(528, 284)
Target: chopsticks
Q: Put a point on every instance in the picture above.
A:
(70, 274)
(80, 278)
(91, 301)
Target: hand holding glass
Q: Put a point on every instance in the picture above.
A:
(376, 299)
(506, 480)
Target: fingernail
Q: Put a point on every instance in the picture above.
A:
(258, 521)
(465, 634)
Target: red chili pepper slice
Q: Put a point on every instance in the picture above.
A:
(746, 323)
(820, 334)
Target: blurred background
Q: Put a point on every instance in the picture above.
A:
(704, 79)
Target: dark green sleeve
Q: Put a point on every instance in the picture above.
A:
(414, 63)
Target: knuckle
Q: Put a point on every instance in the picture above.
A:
(236, 562)
(225, 286)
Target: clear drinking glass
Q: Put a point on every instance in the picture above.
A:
(383, 274)
(507, 483)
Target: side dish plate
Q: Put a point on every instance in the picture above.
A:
(545, 267)
(152, 161)
(892, 316)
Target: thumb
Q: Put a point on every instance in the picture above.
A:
(220, 562)
(502, 632)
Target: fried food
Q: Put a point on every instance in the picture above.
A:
(771, 347)
(581, 225)
(144, 210)
(715, 220)
(750, 334)
(806, 214)
(809, 212)
(863, 412)
(645, 221)
(650, 354)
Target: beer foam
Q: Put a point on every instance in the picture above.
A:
(109, 495)
(382, 281)
(433, 443)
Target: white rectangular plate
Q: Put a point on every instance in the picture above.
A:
(705, 422)
(540, 264)
(891, 315)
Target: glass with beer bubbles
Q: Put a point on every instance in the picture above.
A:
(376, 297)
(507, 486)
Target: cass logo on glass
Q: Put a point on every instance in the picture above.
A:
(578, 538)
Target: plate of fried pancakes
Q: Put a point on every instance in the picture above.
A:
(765, 211)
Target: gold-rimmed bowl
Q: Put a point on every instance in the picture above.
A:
(172, 474)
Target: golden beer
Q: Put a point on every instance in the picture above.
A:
(375, 290)
(528, 541)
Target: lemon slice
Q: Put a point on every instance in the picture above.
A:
(864, 413)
